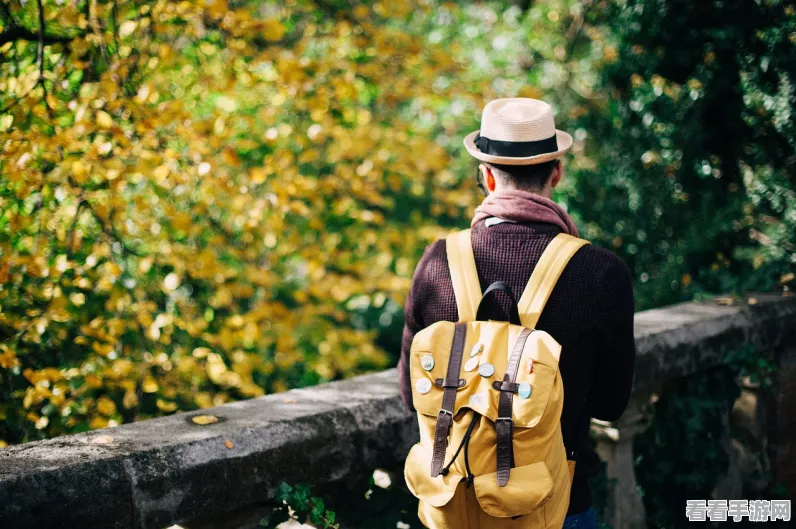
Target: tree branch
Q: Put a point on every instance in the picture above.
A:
(115, 20)
(14, 31)
(70, 237)
(40, 57)
(40, 53)
(94, 23)
(19, 33)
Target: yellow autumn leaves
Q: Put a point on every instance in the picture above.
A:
(190, 209)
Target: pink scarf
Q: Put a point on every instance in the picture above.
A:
(523, 206)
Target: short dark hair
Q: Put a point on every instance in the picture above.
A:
(533, 177)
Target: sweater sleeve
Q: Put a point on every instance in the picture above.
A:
(613, 375)
(413, 324)
(411, 327)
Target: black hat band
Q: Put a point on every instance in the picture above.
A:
(516, 149)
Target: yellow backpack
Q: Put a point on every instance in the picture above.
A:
(491, 453)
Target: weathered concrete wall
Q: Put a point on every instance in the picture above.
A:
(683, 339)
(154, 473)
(782, 422)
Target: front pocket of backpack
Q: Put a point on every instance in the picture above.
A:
(529, 487)
(436, 491)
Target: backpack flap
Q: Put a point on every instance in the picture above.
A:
(529, 409)
(431, 348)
(494, 339)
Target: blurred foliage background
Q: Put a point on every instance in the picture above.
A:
(208, 200)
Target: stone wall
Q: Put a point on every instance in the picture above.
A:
(782, 422)
(684, 340)
(155, 473)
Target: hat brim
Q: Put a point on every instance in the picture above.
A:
(563, 139)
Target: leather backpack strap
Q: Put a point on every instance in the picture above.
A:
(450, 385)
(504, 426)
(461, 262)
(545, 275)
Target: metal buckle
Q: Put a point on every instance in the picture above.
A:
(443, 411)
(504, 419)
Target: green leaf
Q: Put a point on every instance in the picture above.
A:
(316, 512)
(283, 492)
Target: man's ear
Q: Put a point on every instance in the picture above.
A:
(489, 177)
(558, 173)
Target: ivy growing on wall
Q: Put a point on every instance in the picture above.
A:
(684, 452)
(380, 503)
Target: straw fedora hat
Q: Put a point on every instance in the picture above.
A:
(517, 131)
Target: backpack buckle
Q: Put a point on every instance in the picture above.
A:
(443, 411)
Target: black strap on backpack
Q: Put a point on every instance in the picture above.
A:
(450, 385)
(466, 444)
(504, 426)
(514, 314)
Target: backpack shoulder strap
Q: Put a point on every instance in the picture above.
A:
(466, 287)
(545, 275)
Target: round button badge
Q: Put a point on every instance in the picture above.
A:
(477, 349)
(486, 370)
(427, 362)
(471, 364)
(423, 386)
(524, 390)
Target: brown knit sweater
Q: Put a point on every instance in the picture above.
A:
(590, 313)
